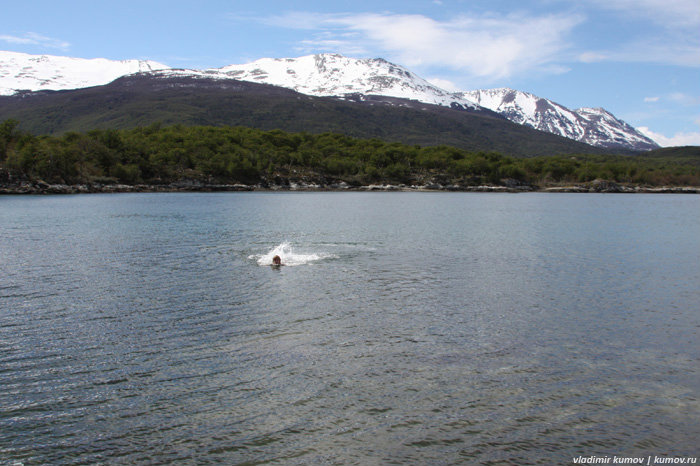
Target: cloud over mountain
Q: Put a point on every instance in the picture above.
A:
(487, 45)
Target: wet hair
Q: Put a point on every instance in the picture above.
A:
(276, 260)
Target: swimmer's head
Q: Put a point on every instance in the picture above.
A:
(277, 260)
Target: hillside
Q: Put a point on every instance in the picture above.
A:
(143, 99)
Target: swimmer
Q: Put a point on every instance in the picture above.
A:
(276, 260)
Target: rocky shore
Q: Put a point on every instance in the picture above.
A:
(597, 186)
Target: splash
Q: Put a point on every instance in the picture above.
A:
(288, 256)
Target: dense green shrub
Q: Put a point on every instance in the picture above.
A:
(164, 154)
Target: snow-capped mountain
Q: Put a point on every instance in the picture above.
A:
(327, 75)
(333, 75)
(594, 126)
(322, 75)
(605, 130)
(20, 71)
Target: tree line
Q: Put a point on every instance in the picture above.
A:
(158, 154)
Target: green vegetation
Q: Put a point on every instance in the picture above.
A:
(158, 154)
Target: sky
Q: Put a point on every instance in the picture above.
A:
(639, 59)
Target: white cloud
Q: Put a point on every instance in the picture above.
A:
(666, 32)
(444, 84)
(669, 13)
(679, 98)
(592, 57)
(684, 99)
(327, 42)
(487, 46)
(345, 47)
(31, 38)
(678, 139)
(659, 48)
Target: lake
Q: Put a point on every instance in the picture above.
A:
(405, 328)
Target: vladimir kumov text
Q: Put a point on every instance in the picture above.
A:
(649, 460)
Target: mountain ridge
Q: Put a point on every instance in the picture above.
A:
(327, 75)
(333, 75)
(22, 72)
(147, 98)
(595, 126)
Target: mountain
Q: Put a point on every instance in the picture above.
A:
(171, 98)
(594, 126)
(322, 75)
(332, 75)
(603, 129)
(336, 75)
(20, 71)
(327, 75)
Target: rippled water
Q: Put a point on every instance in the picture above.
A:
(419, 328)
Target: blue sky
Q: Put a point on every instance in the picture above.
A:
(639, 59)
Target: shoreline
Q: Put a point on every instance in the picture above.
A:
(598, 186)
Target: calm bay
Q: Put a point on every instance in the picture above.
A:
(408, 328)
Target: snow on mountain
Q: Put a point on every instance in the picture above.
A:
(20, 71)
(335, 75)
(604, 129)
(597, 127)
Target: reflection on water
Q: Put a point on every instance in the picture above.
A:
(415, 328)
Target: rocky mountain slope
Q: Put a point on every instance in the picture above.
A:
(594, 126)
(328, 75)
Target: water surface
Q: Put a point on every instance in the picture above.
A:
(420, 328)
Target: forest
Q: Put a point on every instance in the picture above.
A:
(160, 155)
